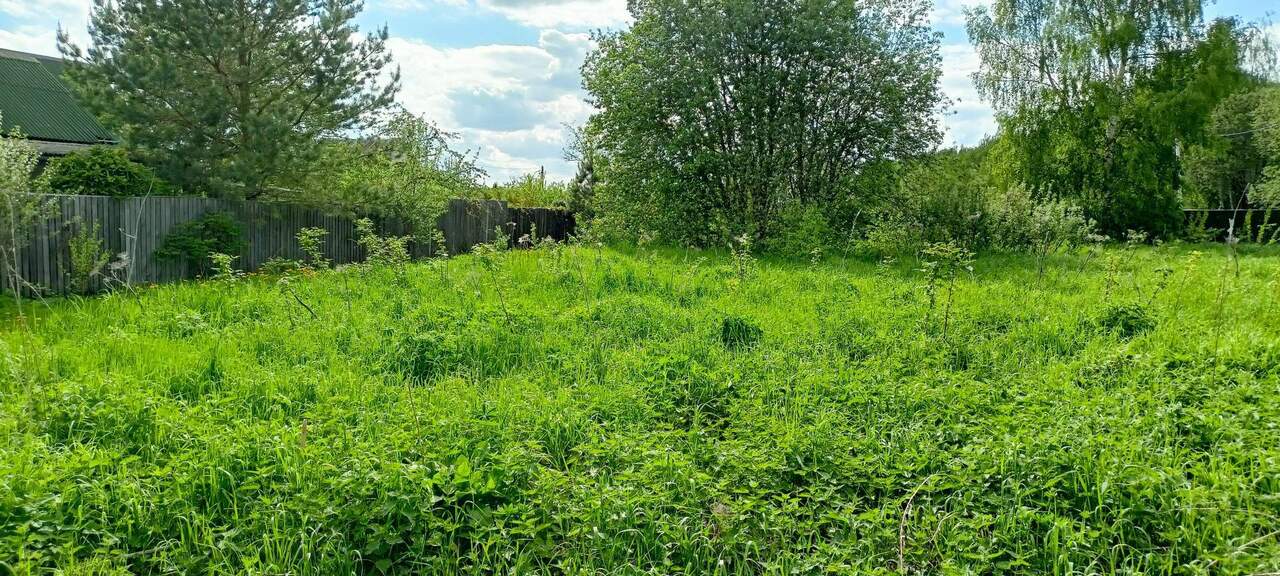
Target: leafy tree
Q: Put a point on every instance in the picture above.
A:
(1098, 98)
(21, 208)
(227, 96)
(1223, 171)
(1266, 128)
(194, 242)
(406, 169)
(715, 114)
(530, 190)
(943, 196)
(100, 171)
(582, 189)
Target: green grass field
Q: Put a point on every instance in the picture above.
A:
(583, 411)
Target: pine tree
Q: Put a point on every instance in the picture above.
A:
(230, 97)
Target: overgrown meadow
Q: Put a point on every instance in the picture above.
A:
(575, 410)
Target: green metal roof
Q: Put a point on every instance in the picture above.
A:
(34, 98)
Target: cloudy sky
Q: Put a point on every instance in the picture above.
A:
(503, 74)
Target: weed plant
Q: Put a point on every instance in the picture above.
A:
(581, 410)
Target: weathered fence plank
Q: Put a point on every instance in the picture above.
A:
(138, 227)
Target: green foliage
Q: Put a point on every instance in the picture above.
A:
(227, 98)
(530, 190)
(801, 231)
(715, 114)
(1098, 104)
(405, 170)
(1221, 171)
(943, 262)
(894, 238)
(224, 267)
(100, 171)
(604, 427)
(88, 257)
(21, 208)
(380, 250)
(943, 197)
(277, 266)
(1267, 133)
(1126, 320)
(311, 242)
(196, 241)
(582, 189)
(1055, 227)
(744, 261)
(737, 333)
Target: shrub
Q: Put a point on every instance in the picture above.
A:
(1042, 228)
(101, 171)
(803, 229)
(893, 238)
(20, 210)
(530, 190)
(277, 265)
(311, 241)
(224, 266)
(945, 196)
(87, 256)
(737, 333)
(1126, 320)
(1011, 218)
(194, 241)
(390, 250)
(1056, 226)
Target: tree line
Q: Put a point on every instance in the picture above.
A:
(811, 123)
(804, 124)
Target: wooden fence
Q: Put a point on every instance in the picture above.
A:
(139, 226)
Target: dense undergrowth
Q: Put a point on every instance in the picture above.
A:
(583, 411)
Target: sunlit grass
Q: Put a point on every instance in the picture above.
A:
(655, 412)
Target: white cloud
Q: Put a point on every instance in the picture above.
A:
(33, 26)
(970, 119)
(34, 39)
(951, 12)
(27, 10)
(577, 14)
(508, 102)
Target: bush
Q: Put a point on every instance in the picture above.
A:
(195, 241)
(311, 242)
(1045, 228)
(87, 256)
(379, 250)
(531, 190)
(1010, 223)
(736, 333)
(276, 266)
(101, 171)
(1126, 320)
(894, 237)
(803, 230)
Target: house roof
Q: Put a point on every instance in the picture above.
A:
(34, 98)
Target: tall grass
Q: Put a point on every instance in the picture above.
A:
(611, 413)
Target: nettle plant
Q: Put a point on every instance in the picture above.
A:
(942, 263)
(88, 257)
(311, 242)
(224, 267)
(381, 250)
(491, 256)
(744, 263)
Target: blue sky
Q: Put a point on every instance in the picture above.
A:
(503, 74)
